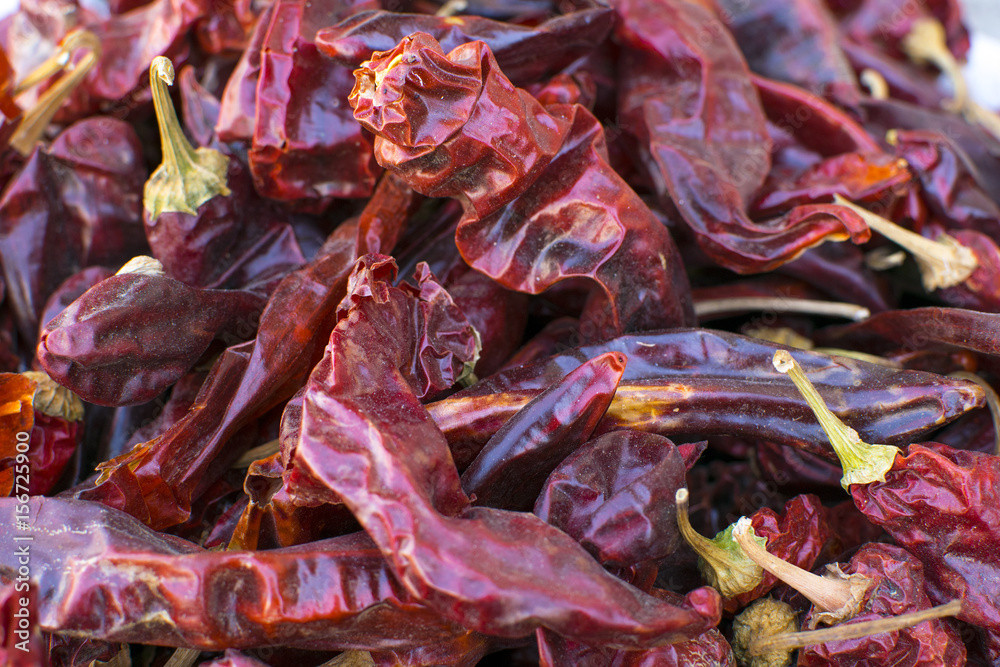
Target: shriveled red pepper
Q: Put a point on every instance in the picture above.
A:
(72, 204)
(701, 135)
(795, 42)
(306, 148)
(542, 205)
(708, 648)
(939, 503)
(683, 381)
(410, 495)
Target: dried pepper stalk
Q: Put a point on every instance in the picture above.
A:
(545, 171)
(881, 581)
(797, 536)
(936, 501)
(410, 494)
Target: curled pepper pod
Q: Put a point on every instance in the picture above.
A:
(797, 536)
(134, 334)
(541, 202)
(706, 168)
(938, 502)
(881, 581)
(511, 468)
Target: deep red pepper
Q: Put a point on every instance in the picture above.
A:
(511, 191)
(513, 465)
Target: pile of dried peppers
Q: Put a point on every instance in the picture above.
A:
(497, 332)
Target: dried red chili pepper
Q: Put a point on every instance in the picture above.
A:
(880, 581)
(72, 204)
(951, 184)
(708, 648)
(692, 371)
(118, 581)
(708, 168)
(135, 334)
(510, 190)
(935, 501)
(795, 42)
(410, 495)
(237, 107)
(306, 147)
(246, 381)
(562, 39)
(512, 467)
(615, 496)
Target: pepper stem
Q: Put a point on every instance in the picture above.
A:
(714, 308)
(837, 597)
(863, 463)
(927, 43)
(721, 561)
(34, 122)
(187, 178)
(793, 640)
(943, 263)
(876, 84)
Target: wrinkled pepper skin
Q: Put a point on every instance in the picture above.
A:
(897, 588)
(102, 574)
(393, 470)
(541, 202)
(943, 505)
(512, 467)
(615, 496)
(700, 133)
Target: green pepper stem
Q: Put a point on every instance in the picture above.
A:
(840, 597)
(943, 263)
(187, 177)
(727, 569)
(863, 463)
(34, 122)
(793, 640)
